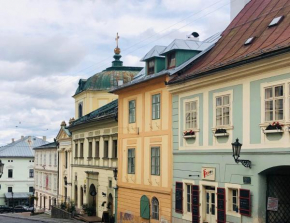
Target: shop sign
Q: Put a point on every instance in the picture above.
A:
(208, 173)
(272, 204)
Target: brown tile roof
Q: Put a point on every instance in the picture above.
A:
(253, 20)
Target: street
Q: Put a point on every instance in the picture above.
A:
(18, 218)
(14, 220)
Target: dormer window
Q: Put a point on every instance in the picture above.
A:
(171, 60)
(151, 66)
(80, 109)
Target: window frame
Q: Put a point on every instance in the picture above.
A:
(82, 150)
(80, 109)
(169, 58)
(155, 167)
(149, 69)
(229, 187)
(131, 161)
(115, 149)
(31, 173)
(194, 100)
(97, 149)
(76, 150)
(106, 149)
(90, 152)
(155, 213)
(133, 114)
(273, 99)
(219, 94)
(10, 171)
(153, 104)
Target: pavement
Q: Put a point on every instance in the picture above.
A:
(23, 218)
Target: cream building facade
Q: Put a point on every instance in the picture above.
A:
(46, 176)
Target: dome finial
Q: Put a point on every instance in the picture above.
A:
(117, 49)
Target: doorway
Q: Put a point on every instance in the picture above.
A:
(210, 210)
(110, 206)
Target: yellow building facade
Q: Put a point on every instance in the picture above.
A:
(145, 154)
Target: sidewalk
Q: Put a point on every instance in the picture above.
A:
(39, 218)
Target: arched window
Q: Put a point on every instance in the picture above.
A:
(155, 208)
(80, 109)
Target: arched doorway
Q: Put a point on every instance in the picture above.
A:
(76, 195)
(277, 194)
(92, 197)
(110, 205)
(82, 197)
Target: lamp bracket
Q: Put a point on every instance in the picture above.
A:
(245, 163)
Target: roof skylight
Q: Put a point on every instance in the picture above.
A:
(275, 21)
(250, 40)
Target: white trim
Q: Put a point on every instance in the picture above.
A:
(186, 215)
(229, 186)
(219, 94)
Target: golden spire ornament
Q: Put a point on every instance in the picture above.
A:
(117, 49)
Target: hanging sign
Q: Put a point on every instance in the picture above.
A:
(272, 204)
(208, 173)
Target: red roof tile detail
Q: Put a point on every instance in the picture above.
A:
(253, 20)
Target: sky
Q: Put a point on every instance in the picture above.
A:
(47, 46)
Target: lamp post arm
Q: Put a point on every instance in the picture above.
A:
(245, 163)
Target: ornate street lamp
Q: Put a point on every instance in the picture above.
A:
(115, 171)
(236, 154)
(65, 181)
(1, 168)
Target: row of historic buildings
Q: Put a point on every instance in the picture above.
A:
(200, 134)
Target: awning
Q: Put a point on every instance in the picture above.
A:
(18, 195)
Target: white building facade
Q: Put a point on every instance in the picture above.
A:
(46, 176)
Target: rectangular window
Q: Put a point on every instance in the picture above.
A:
(151, 65)
(44, 159)
(54, 182)
(90, 149)
(55, 159)
(10, 173)
(49, 159)
(234, 196)
(66, 158)
(191, 115)
(82, 150)
(171, 60)
(31, 173)
(155, 161)
(188, 197)
(156, 106)
(76, 150)
(223, 110)
(132, 111)
(115, 148)
(10, 189)
(110, 183)
(97, 152)
(41, 159)
(36, 179)
(106, 149)
(30, 189)
(274, 103)
(131, 161)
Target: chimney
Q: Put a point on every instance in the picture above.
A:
(44, 138)
(237, 6)
(22, 137)
(12, 139)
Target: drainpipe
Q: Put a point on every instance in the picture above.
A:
(116, 202)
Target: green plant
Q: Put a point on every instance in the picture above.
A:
(89, 210)
(71, 207)
(63, 205)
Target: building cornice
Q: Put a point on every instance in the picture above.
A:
(93, 167)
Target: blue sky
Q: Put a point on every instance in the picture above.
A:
(46, 46)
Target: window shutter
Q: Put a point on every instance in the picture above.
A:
(221, 205)
(245, 202)
(195, 203)
(144, 207)
(178, 197)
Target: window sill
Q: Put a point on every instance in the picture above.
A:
(189, 137)
(233, 213)
(221, 134)
(273, 131)
(226, 127)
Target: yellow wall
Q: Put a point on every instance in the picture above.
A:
(92, 100)
(143, 135)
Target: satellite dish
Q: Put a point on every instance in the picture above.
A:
(195, 34)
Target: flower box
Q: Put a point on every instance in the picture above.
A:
(273, 131)
(275, 127)
(189, 134)
(189, 137)
(220, 133)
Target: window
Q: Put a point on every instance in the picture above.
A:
(90, 149)
(188, 197)
(155, 161)
(151, 65)
(97, 152)
(10, 173)
(44, 159)
(10, 189)
(36, 159)
(76, 150)
(234, 196)
(54, 182)
(82, 150)
(155, 208)
(274, 103)
(31, 173)
(131, 161)
(110, 183)
(66, 158)
(106, 149)
(80, 109)
(36, 179)
(171, 60)
(132, 111)
(30, 189)
(156, 106)
(115, 148)
(40, 158)
(223, 110)
(50, 159)
(55, 159)
(191, 115)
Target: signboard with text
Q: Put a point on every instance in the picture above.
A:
(208, 173)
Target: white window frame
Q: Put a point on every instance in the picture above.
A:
(187, 215)
(219, 94)
(196, 99)
(229, 187)
(55, 159)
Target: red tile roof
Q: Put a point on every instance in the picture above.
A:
(253, 20)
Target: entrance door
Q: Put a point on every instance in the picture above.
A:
(210, 206)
